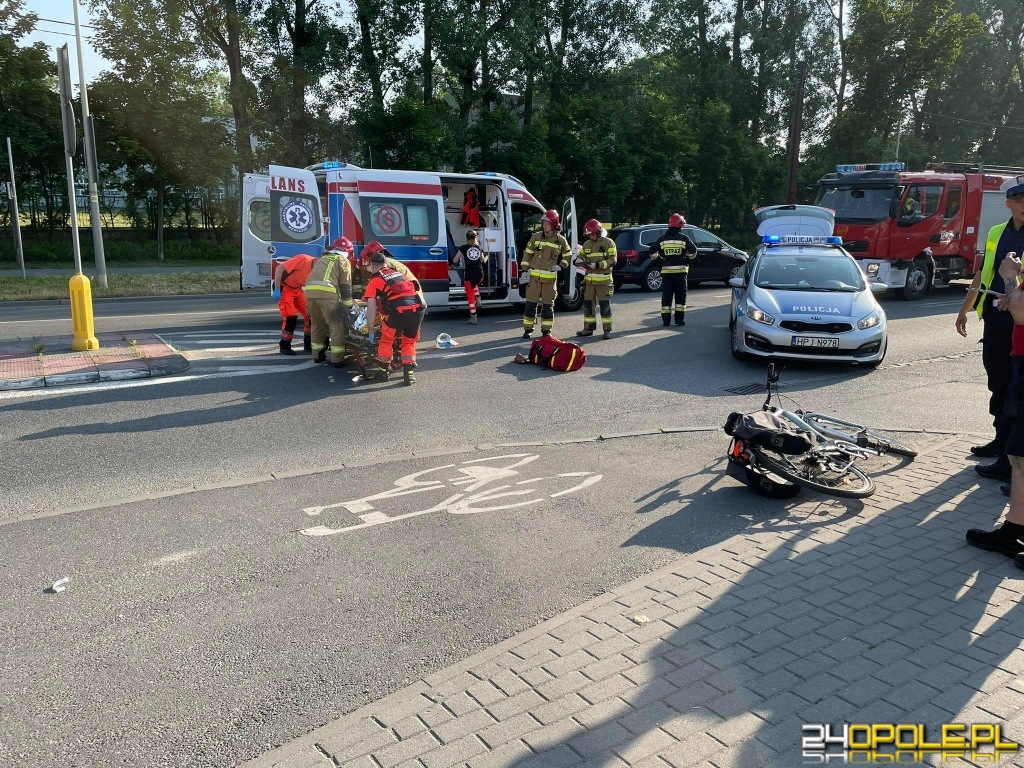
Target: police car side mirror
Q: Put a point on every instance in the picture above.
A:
(736, 282)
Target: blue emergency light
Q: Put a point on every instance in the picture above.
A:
(802, 240)
(332, 164)
(870, 167)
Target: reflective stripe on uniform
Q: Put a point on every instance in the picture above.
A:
(596, 278)
(319, 285)
(676, 270)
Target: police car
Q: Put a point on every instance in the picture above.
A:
(802, 296)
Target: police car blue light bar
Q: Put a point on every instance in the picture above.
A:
(870, 167)
(802, 240)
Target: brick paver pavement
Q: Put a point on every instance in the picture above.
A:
(47, 361)
(837, 612)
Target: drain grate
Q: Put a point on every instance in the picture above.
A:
(748, 389)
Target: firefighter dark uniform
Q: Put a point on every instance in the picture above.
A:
(598, 256)
(402, 313)
(289, 279)
(676, 251)
(329, 298)
(544, 255)
(996, 337)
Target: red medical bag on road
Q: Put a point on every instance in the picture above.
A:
(557, 355)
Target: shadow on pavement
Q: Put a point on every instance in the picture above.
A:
(888, 619)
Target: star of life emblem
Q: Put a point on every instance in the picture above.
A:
(297, 217)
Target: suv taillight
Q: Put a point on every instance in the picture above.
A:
(630, 256)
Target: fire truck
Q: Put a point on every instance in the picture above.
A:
(912, 230)
(420, 217)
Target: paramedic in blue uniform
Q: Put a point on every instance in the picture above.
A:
(997, 326)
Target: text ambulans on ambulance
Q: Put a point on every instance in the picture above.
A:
(421, 218)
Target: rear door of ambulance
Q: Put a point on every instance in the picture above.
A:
(405, 213)
(283, 218)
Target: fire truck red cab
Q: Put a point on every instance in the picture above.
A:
(912, 230)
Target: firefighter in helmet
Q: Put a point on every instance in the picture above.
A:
(395, 296)
(676, 251)
(329, 298)
(598, 257)
(289, 278)
(545, 254)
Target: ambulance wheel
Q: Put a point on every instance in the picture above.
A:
(565, 304)
(918, 279)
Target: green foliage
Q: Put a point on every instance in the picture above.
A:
(58, 253)
(636, 109)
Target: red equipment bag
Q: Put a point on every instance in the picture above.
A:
(557, 355)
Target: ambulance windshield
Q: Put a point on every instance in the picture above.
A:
(857, 204)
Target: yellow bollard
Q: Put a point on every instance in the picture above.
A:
(81, 314)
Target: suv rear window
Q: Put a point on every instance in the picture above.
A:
(648, 236)
(623, 239)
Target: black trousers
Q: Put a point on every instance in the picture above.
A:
(996, 344)
(673, 286)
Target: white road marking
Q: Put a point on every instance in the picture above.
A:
(475, 475)
(85, 388)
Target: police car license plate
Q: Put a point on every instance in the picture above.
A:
(815, 341)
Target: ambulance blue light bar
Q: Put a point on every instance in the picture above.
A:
(332, 164)
(870, 167)
(802, 240)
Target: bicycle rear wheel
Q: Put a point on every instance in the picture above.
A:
(818, 471)
(858, 435)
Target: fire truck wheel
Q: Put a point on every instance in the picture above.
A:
(918, 277)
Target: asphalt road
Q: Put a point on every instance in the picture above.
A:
(204, 627)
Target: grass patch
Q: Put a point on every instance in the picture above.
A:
(89, 266)
(186, 283)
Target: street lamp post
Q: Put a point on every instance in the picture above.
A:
(90, 163)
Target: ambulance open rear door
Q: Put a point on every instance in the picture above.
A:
(282, 217)
(570, 281)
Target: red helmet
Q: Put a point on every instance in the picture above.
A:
(371, 248)
(551, 217)
(676, 220)
(591, 227)
(343, 244)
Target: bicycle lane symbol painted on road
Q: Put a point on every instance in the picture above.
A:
(475, 480)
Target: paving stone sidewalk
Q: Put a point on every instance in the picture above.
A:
(872, 611)
(48, 361)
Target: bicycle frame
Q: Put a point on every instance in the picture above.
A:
(821, 435)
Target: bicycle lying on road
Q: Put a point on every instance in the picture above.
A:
(813, 450)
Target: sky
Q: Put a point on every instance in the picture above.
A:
(54, 34)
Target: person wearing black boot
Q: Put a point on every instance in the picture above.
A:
(676, 251)
(1008, 539)
(997, 326)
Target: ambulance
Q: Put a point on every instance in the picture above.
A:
(420, 217)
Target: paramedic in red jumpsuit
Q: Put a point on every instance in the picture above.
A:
(291, 301)
(394, 295)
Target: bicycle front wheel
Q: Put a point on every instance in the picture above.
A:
(817, 471)
(858, 435)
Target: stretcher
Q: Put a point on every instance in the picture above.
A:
(358, 343)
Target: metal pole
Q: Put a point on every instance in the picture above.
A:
(73, 210)
(15, 217)
(90, 163)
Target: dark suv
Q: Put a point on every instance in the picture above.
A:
(716, 259)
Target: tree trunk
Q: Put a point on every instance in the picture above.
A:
(737, 37)
(427, 57)
(160, 221)
(528, 99)
(702, 38)
(370, 59)
(762, 65)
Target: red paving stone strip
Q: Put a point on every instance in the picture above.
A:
(22, 366)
